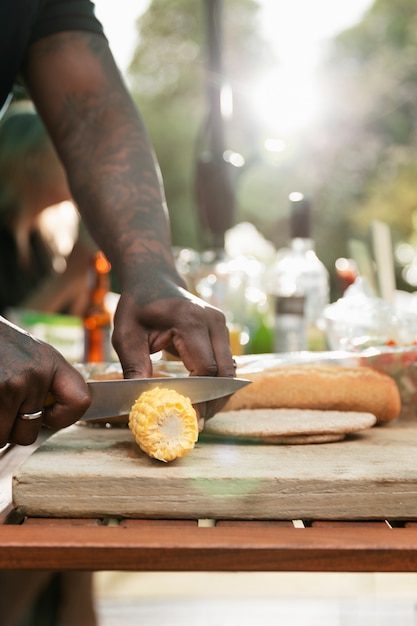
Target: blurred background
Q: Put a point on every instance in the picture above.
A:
(287, 139)
(317, 97)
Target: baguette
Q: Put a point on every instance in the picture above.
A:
(326, 387)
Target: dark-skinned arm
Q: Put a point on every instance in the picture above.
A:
(115, 181)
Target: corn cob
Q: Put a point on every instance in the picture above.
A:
(164, 424)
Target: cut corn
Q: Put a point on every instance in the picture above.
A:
(164, 424)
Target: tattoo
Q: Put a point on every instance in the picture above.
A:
(110, 165)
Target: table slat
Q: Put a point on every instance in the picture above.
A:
(176, 547)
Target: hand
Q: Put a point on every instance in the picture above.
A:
(183, 325)
(117, 186)
(30, 370)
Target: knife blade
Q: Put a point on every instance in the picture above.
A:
(110, 398)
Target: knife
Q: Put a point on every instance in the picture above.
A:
(110, 398)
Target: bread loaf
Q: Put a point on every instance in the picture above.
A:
(320, 387)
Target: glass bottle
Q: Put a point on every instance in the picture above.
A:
(222, 283)
(299, 286)
(97, 321)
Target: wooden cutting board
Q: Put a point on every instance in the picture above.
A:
(98, 472)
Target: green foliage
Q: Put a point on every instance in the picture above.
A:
(358, 164)
(167, 60)
(369, 161)
(168, 78)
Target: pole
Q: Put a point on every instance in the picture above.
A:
(214, 188)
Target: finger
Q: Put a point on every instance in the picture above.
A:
(133, 351)
(21, 418)
(206, 410)
(24, 432)
(227, 368)
(34, 403)
(226, 365)
(71, 399)
(194, 348)
(130, 340)
(211, 408)
(200, 409)
(220, 341)
(204, 347)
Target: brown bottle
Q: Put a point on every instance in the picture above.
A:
(97, 321)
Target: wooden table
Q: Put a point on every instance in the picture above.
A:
(199, 545)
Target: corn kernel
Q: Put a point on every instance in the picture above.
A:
(164, 424)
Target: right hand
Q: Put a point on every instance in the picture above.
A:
(29, 371)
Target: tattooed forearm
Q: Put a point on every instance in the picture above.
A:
(110, 165)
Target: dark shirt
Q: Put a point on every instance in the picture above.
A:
(22, 22)
(16, 282)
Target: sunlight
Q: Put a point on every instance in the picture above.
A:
(59, 224)
(289, 100)
(286, 100)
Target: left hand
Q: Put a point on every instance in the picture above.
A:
(183, 325)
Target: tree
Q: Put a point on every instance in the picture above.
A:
(368, 142)
(169, 82)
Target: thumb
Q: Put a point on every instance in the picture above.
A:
(71, 398)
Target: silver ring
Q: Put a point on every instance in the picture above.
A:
(30, 416)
